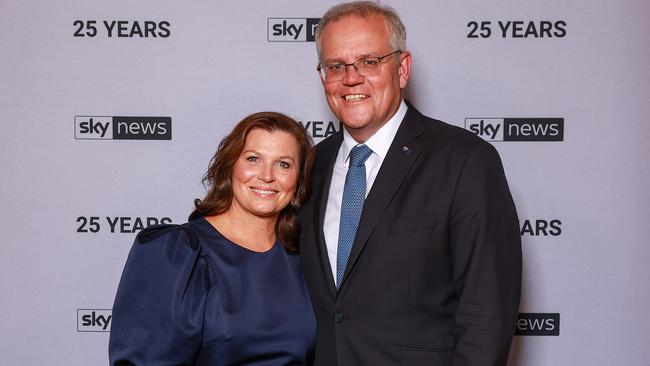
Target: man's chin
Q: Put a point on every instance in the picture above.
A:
(355, 120)
(355, 125)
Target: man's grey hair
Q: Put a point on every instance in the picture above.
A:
(364, 9)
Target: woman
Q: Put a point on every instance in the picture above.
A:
(225, 288)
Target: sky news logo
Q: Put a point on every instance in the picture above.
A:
(291, 29)
(538, 324)
(122, 128)
(517, 129)
(94, 320)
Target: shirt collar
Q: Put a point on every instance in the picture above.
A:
(380, 142)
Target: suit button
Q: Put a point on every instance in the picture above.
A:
(338, 317)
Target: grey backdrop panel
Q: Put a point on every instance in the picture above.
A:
(73, 201)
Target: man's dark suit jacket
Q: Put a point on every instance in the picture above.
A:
(435, 269)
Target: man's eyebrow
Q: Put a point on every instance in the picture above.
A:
(330, 61)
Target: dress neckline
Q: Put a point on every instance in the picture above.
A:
(232, 243)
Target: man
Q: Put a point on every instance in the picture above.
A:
(410, 243)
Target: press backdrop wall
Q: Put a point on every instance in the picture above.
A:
(571, 72)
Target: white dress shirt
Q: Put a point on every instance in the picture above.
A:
(379, 143)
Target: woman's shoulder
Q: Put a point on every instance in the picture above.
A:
(163, 253)
(162, 234)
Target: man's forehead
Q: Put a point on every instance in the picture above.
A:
(352, 37)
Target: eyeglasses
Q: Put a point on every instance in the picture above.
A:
(367, 66)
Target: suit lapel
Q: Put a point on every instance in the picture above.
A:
(401, 155)
(327, 158)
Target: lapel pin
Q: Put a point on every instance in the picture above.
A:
(407, 150)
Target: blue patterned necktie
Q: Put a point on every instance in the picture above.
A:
(354, 193)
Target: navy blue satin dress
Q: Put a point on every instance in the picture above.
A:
(189, 296)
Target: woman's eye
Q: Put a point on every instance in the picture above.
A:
(283, 164)
(253, 159)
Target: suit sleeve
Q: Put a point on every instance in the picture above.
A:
(486, 250)
(159, 306)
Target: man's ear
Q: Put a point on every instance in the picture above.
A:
(404, 69)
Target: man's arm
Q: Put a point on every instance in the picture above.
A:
(486, 252)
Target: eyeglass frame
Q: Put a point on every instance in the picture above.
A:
(320, 67)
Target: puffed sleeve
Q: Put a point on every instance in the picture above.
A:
(159, 306)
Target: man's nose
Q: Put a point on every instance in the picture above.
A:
(352, 76)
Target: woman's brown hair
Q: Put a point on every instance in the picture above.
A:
(218, 179)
